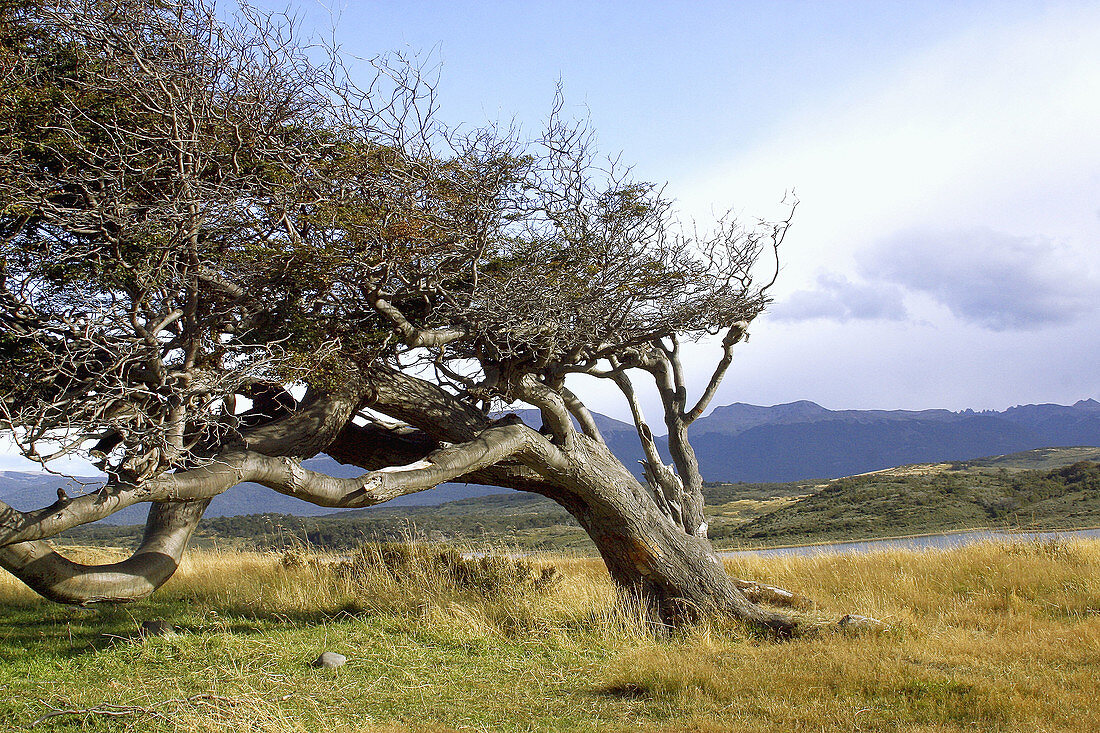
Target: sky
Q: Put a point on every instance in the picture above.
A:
(945, 252)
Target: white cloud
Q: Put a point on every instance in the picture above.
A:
(10, 460)
(992, 130)
(994, 127)
(994, 280)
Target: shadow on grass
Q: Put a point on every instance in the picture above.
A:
(46, 629)
(43, 629)
(626, 691)
(249, 617)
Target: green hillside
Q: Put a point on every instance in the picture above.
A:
(929, 498)
(1041, 459)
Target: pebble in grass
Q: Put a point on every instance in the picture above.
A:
(330, 660)
(156, 627)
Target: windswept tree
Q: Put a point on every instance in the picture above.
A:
(222, 256)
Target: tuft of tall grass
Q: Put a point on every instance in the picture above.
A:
(421, 584)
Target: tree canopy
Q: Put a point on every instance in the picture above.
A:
(223, 252)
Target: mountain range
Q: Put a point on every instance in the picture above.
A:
(803, 440)
(738, 442)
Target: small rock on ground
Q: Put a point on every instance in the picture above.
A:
(330, 660)
(157, 627)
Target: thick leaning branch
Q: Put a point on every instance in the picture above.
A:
(372, 447)
(555, 412)
(455, 461)
(47, 572)
(581, 413)
(300, 435)
(171, 523)
(667, 487)
(25, 553)
(283, 474)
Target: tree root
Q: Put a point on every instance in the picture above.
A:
(772, 595)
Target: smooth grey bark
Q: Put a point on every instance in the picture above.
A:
(47, 572)
(682, 491)
(676, 574)
(171, 520)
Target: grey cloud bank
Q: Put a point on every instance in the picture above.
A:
(837, 298)
(990, 279)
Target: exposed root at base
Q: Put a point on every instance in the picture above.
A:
(772, 595)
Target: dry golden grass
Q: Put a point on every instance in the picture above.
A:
(988, 637)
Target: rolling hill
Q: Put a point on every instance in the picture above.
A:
(1044, 489)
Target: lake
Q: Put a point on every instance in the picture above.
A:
(923, 542)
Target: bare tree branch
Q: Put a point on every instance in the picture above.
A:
(551, 404)
(584, 418)
(666, 486)
(733, 335)
(412, 336)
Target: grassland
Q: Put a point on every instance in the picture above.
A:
(990, 637)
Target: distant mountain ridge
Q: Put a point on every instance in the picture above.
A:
(801, 440)
(739, 416)
(738, 442)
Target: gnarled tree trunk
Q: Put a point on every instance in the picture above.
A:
(652, 558)
(676, 574)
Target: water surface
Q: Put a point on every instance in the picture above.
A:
(923, 542)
